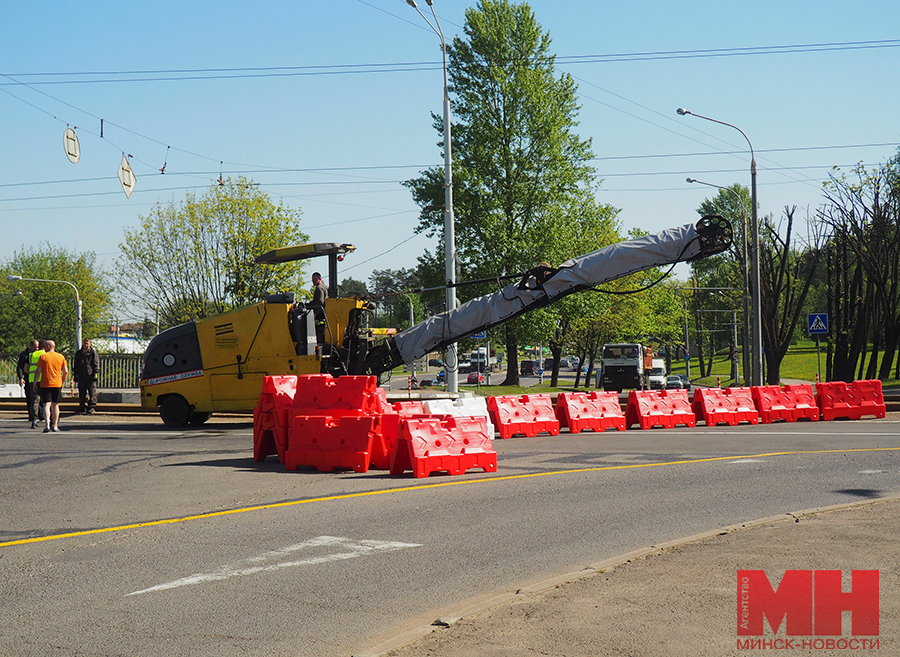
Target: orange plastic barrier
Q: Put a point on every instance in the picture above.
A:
(595, 411)
(666, 408)
(837, 399)
(731, 405)
(791, 403)
(527, 415)
(450, 444)
(270, 416)
(327, 443)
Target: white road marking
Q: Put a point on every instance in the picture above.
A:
(351, 549)
(748, 461)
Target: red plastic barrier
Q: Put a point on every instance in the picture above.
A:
(837, 399)
(791, 403)
(270, 416)
(595, 411)
(666, 408)
(527, 415)
(450, 444)
(327, 443)
(384, 442)
(731, 405)
(322, 394)
(263, 433)
(411, 408)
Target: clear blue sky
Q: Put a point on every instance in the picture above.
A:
(336, 111)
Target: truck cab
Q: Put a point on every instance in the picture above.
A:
(626, 365)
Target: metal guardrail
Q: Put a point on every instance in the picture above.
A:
(117, 371)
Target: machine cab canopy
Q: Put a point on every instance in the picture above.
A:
(333, 250)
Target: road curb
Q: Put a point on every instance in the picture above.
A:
(500, 599)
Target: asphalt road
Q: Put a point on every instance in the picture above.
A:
(122, 537)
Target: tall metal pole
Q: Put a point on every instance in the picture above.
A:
(452, 364)
(756, 299)
(745, 343)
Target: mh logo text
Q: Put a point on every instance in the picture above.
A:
(811, 601)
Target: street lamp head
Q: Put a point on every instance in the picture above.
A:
(691, 180)
(13, 277)
(412, 3)
(682, 111)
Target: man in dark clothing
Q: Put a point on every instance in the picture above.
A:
(320, 293)
(320, 290)
(86, 368)
(25, 374)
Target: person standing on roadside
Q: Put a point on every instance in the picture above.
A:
(52, 371)
(85, 370)
(25, 371)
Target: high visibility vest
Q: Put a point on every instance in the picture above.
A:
(32, 364)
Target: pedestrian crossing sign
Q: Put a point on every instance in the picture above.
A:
(817, 323)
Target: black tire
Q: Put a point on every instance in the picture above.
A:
(175, 411)
(198, 418)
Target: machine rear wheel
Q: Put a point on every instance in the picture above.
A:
(175, 411)
(198, 418)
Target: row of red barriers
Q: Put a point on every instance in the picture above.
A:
(529, 415)
(833, 400)
(327, 423)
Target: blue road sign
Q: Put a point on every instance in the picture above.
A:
(478, 336)
(817, 323)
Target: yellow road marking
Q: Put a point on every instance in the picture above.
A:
(347, 496)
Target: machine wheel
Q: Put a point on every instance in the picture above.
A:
(175, 411)
(198, 418)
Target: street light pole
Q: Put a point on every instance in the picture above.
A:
(78, 307)
(756, 314)
(452, 364)
(746, 294)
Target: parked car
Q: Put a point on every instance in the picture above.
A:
(548, 364)
(685, 382)
(674, 382)
(527, 367)
(436, 362)
(426, 383)
(476, 377)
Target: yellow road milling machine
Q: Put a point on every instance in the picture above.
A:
(218, 363)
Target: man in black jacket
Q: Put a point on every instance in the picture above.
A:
(86, 368)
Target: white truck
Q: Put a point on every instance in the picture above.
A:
(658, 374)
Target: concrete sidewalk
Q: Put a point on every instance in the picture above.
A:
(678, 599)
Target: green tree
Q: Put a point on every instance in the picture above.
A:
(520, 171)
(389, 285)
(350, 287)
(863, 255)
(785, 274)
(726, 270)
(47, 310)
(196, 258)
